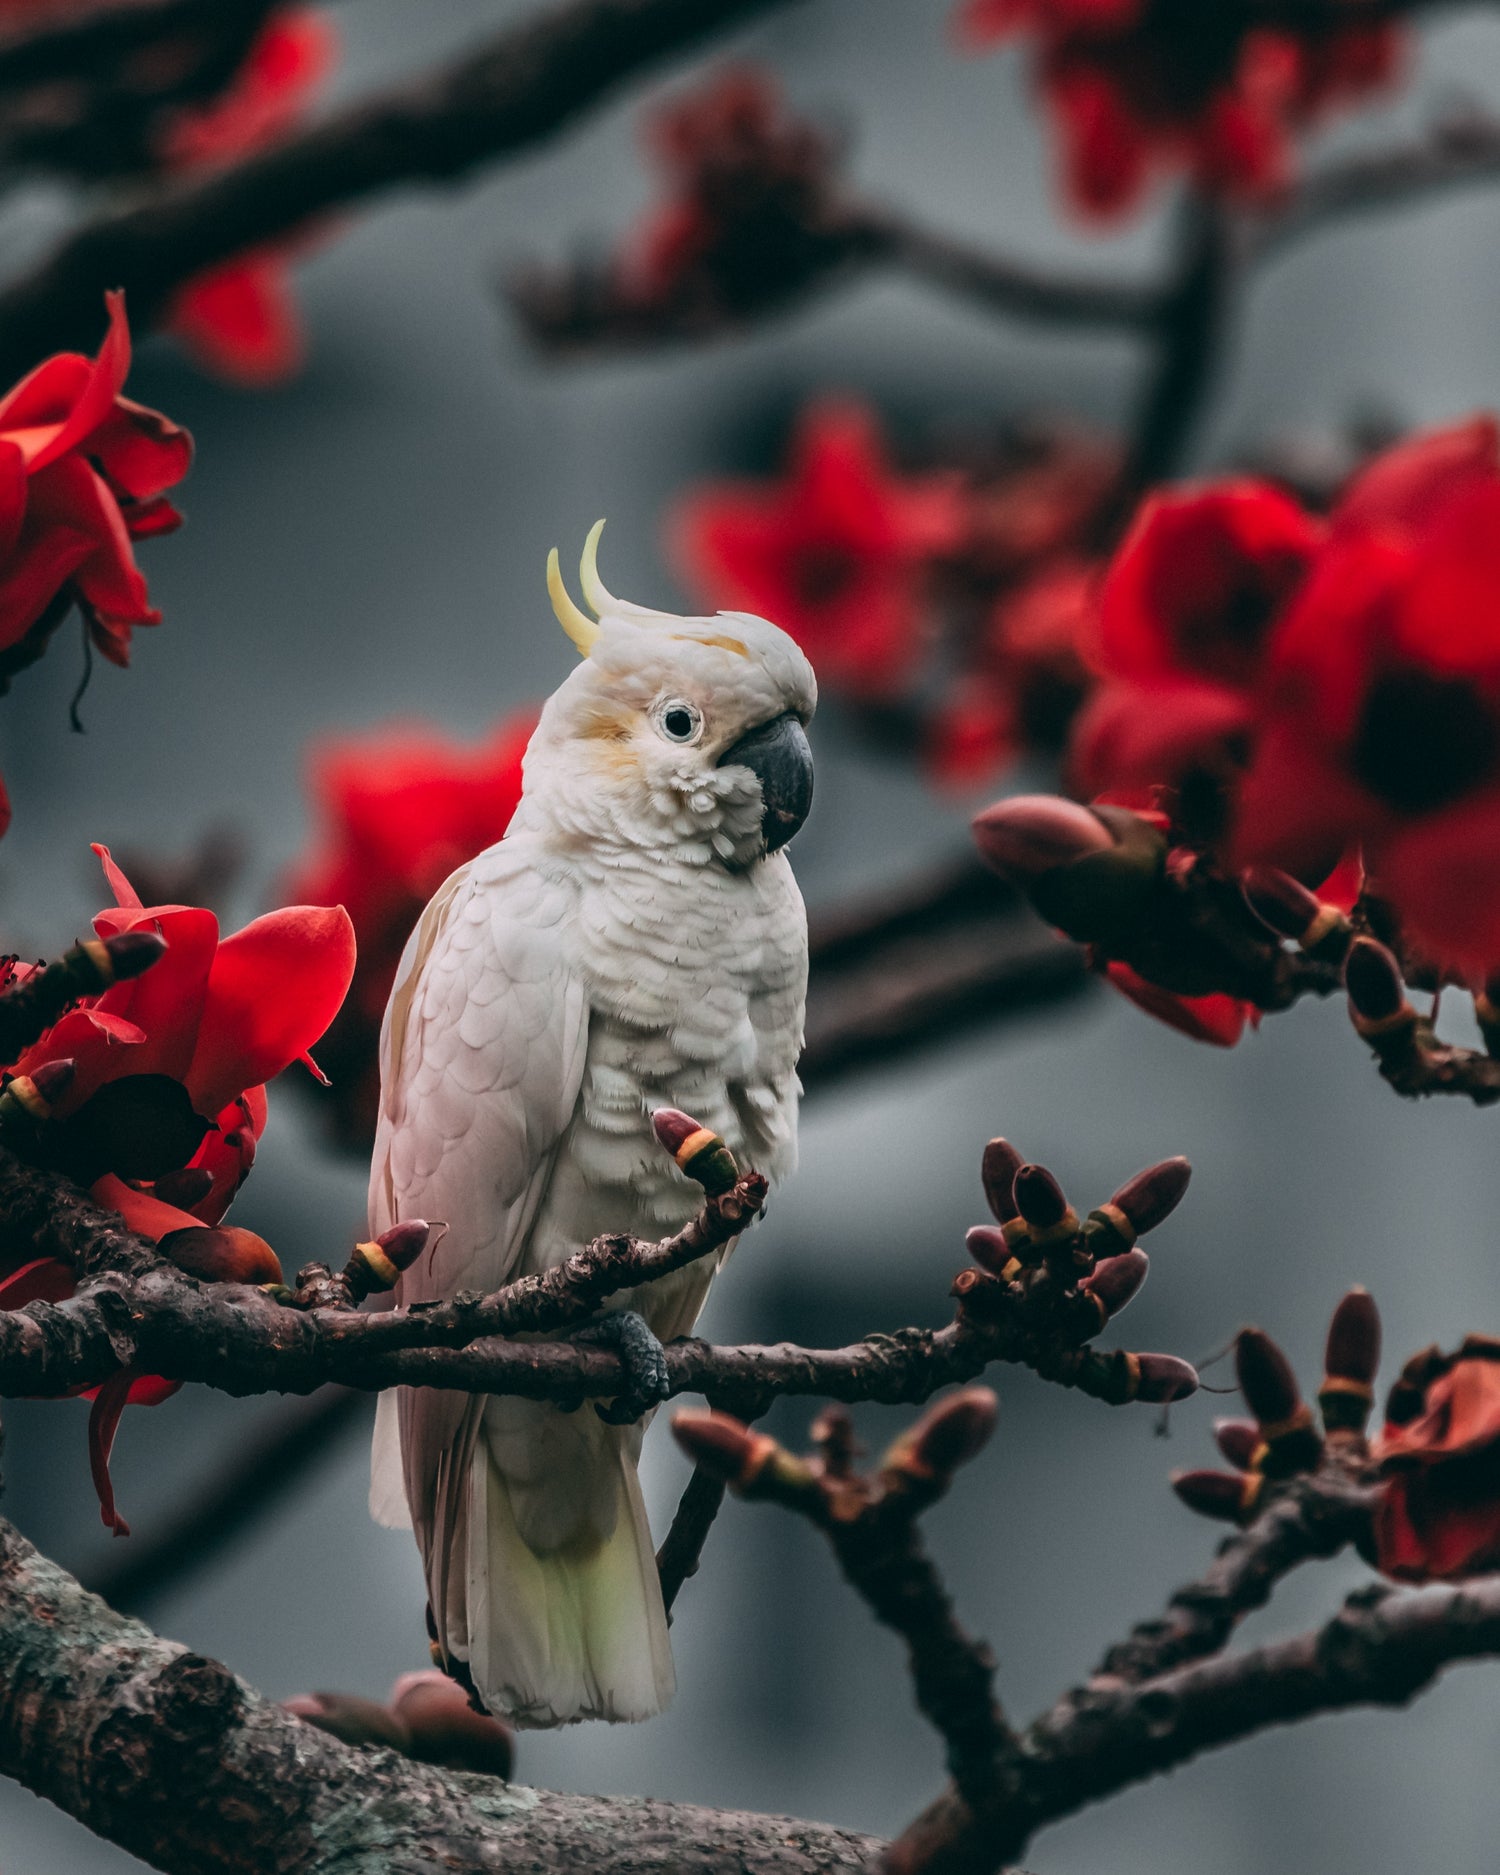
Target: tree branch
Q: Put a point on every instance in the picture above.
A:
(513, 91)
(177, 1761)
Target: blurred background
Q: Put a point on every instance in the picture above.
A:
(367, 542)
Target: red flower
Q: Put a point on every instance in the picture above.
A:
(169, 1077)
(1439, 1510)
(1186, 612)
(82, 475)
(837, 553)
(1141, 87)
(401, 808)
(239, 319)
(1380, 718)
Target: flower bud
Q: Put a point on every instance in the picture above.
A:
(27, 1100)
(1153, 1195)
(1030, 834)
(223, 1254)
(722, 1445)
(998, 1170)
(1373, 979)
(1353, 1351)
(378, 1265)
(1351, 1357)
(1279, 901)
(697, 1151)
(990, 1249)
(1271, 1392)
(346, 1716)
(184, 1188)
(1039, 1198)
(443, 1728)
(1163, 1378)
(53, 1079)
(1239, 1440)
(1116, 1281)
(132, 953)
(946, 1436)
(1266, 1378)
(1220, 1494)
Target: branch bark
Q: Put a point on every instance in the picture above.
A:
(173, 1758)
(513, 91)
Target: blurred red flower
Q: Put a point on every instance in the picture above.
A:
(836, 553)
(1140, 88)
(400, 808)
(1379, 717)
(1216, 1019)
(1439, 1511)
(745, 176)
(169, 1073)
(1186, 612)
(82, 475)
(239, 319)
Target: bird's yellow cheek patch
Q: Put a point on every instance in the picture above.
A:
(603, 724)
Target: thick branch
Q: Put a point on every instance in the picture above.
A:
(513, 91)
(171, 1757)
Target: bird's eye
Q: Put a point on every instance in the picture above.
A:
(680, 722)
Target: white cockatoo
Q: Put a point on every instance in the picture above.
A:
(636, 941)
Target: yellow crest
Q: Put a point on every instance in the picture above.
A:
(572, 617)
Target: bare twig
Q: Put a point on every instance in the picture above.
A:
(682, 1548)
(514, 90)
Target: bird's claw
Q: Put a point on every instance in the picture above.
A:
(642, 1357)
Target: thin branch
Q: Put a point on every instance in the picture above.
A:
(511, 92)
(134, 1310)
(682, 1548)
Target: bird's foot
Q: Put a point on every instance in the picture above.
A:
(642, 1357)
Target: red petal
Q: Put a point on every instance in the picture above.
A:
(1217, 1020)
(104, 1421)
(1407, 486)
(44, 1280)
(274, 989)
(125, 893)
(67, 398)
(240, 321)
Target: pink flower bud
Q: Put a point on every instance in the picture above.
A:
(987, 1245)
(1353, 1351)
(1164, 1378)
(1117, 1280)
(1278, 900)
(1373, 980)
(1039, 1197)
(443, 1728)
(674, 1129)
(1218, 1494)
(53, 1079)
(403, 1243)
(1266, 1378)
(998, 1170)
(346, 1716)
(1154, 1194)
(1237, 1439)
(1030, 834)
(133, 952)
(717, 1442)
(185, 1188)
(952, 1432)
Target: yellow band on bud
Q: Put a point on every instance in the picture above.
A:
(1065, 1227)
(1371, 1027)
(99, 957)
(1250, 1489)
(1356, 1389)
(1132, 1366)
(1117, 1221)
(693, 1145)
(1015, 1230)
(1280, 1429)
(1327, 918)
(1011, 1270)
(23, 1091)
(379, 1264)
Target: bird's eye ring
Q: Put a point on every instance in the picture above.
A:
(680, 722)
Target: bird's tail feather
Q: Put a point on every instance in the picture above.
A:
(572, 1632)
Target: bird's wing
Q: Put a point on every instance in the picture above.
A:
(482, 1056)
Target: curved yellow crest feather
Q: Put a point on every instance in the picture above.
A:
(573, 619)
(595, 592)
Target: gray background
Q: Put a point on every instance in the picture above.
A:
(369, 542)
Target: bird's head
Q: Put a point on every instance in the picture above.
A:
(681, 732)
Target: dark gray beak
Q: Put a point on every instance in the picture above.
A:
(776, 753)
